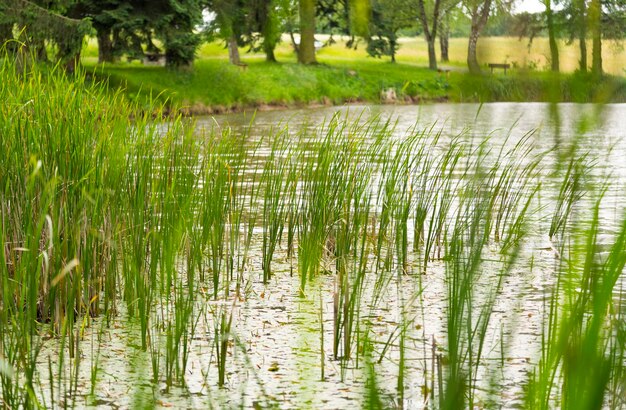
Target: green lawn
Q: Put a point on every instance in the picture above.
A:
(214, 82)
(348, 75)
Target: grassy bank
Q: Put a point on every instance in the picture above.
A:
(215, 85)
(528, 86)
(346, 75)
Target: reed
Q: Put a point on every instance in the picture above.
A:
(582, 310)
(223, 321)
(106, 212)
(277, 181)
(350, 250)
(470, 300)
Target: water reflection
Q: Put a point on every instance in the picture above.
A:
(598, 130)
(280, 332)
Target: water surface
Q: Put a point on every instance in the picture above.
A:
(279, 339)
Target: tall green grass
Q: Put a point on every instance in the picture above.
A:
(108, 213)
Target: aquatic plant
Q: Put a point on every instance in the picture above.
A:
(111, 218)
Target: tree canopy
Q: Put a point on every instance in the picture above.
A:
(175, 28)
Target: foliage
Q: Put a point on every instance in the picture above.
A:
(229, 19)
(256, 24)
(387, 18)
(37, 24)
(176, 27)
(333, 16)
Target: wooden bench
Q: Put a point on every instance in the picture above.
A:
(154, 59)
(500, 65)
(444, 71)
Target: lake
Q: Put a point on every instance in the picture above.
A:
(507, 193)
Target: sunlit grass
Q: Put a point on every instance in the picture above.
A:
(413, 51)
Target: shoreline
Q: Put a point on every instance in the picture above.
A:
(260, 90)
(200, 109)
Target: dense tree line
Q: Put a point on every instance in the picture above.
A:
(175, 28)
(578, 21)
(122, 27)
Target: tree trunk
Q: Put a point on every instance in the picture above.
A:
(269, 29)
(582, 35)
(582, 42)
(480, 15)
(295, 45)
(392, 46)
(269, 41)
(70, 48)
(554, 48)
(41, 53)
(432, 58)
(269, 53)
(596, 35)
(72, 62)
(351, 43)
(69, 52)
(430, 33)
(233, 51)
(105, 46)
(306, 50)
(444, 35)
(472, 60)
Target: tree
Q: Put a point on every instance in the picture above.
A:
(387, 18)
(575, 16)
(581, 25)
(429, 25)
(248, 23)
(333, 16)
(433, 15)
(263, 29)
(6, 25)
(121, 28)
(37, 25)
(444, 35)
(595, 19)
(478, 10)
(266, 20)
(605, 19)
(229, 24)
(554, 48)
(531, 25)
(306, 49)
(453, 22)
(129, 26)
(174, 23)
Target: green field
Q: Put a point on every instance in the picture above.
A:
(413, 51)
